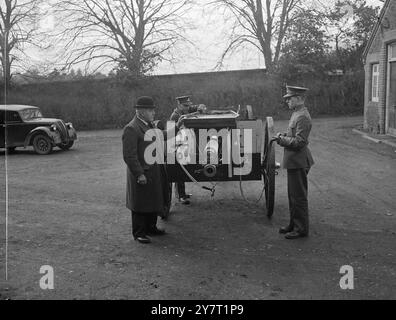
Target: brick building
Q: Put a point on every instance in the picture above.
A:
(380, 69)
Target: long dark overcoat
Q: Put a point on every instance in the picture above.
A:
(141, 198)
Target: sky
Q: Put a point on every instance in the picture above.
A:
(209, 38)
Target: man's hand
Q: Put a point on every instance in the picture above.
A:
(278, 137)
(201, 108)
(274, 139)
(142, 179)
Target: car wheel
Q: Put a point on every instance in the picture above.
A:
(42, 144)
(66, 146)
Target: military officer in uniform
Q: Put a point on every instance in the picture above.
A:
(145, 196)
(298, 161)
(184, 107)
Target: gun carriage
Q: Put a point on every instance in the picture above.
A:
(224, 145)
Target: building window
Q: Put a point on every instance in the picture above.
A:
(374, 82)
(392, 52)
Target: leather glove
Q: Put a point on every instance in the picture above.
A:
(142, 179)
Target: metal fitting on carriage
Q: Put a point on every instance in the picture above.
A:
(277, 167)
(210, 170)
(212, 149)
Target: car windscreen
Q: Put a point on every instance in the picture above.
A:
(30, 114)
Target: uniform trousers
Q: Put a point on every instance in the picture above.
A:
(143, 223)
(181, 189)
(297, 189)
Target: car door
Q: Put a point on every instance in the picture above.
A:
(15, 129)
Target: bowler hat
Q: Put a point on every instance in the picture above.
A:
(294, 91)
(145, 103)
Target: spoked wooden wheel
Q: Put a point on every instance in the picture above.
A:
(268, 166)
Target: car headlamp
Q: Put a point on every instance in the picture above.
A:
(53, 128)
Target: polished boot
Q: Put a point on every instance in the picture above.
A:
(143, 239)
(294, 235)
(285, 230)
(184, 200)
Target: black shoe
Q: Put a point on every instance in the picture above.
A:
(188, 196)
(294, 235)
(183, 200)
(156, 232)
(143, 239)
(285, 230)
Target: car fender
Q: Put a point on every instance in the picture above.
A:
(54, 136)
(72, 133)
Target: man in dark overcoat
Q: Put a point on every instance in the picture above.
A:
(298, 161)
(145, 196)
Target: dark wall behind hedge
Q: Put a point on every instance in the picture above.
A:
(108, 103)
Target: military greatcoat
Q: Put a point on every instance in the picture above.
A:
(297, 154)
(147, 198)
(298, 160)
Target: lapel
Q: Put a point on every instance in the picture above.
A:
(138, 124)
(143, 128)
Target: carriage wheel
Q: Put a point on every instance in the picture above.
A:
(268, 166)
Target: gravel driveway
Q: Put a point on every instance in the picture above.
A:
(67, 210)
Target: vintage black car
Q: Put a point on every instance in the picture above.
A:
(25, 126)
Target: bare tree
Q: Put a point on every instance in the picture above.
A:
(18, 27)
(352, 23)
(132, 34)
(261, 23)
